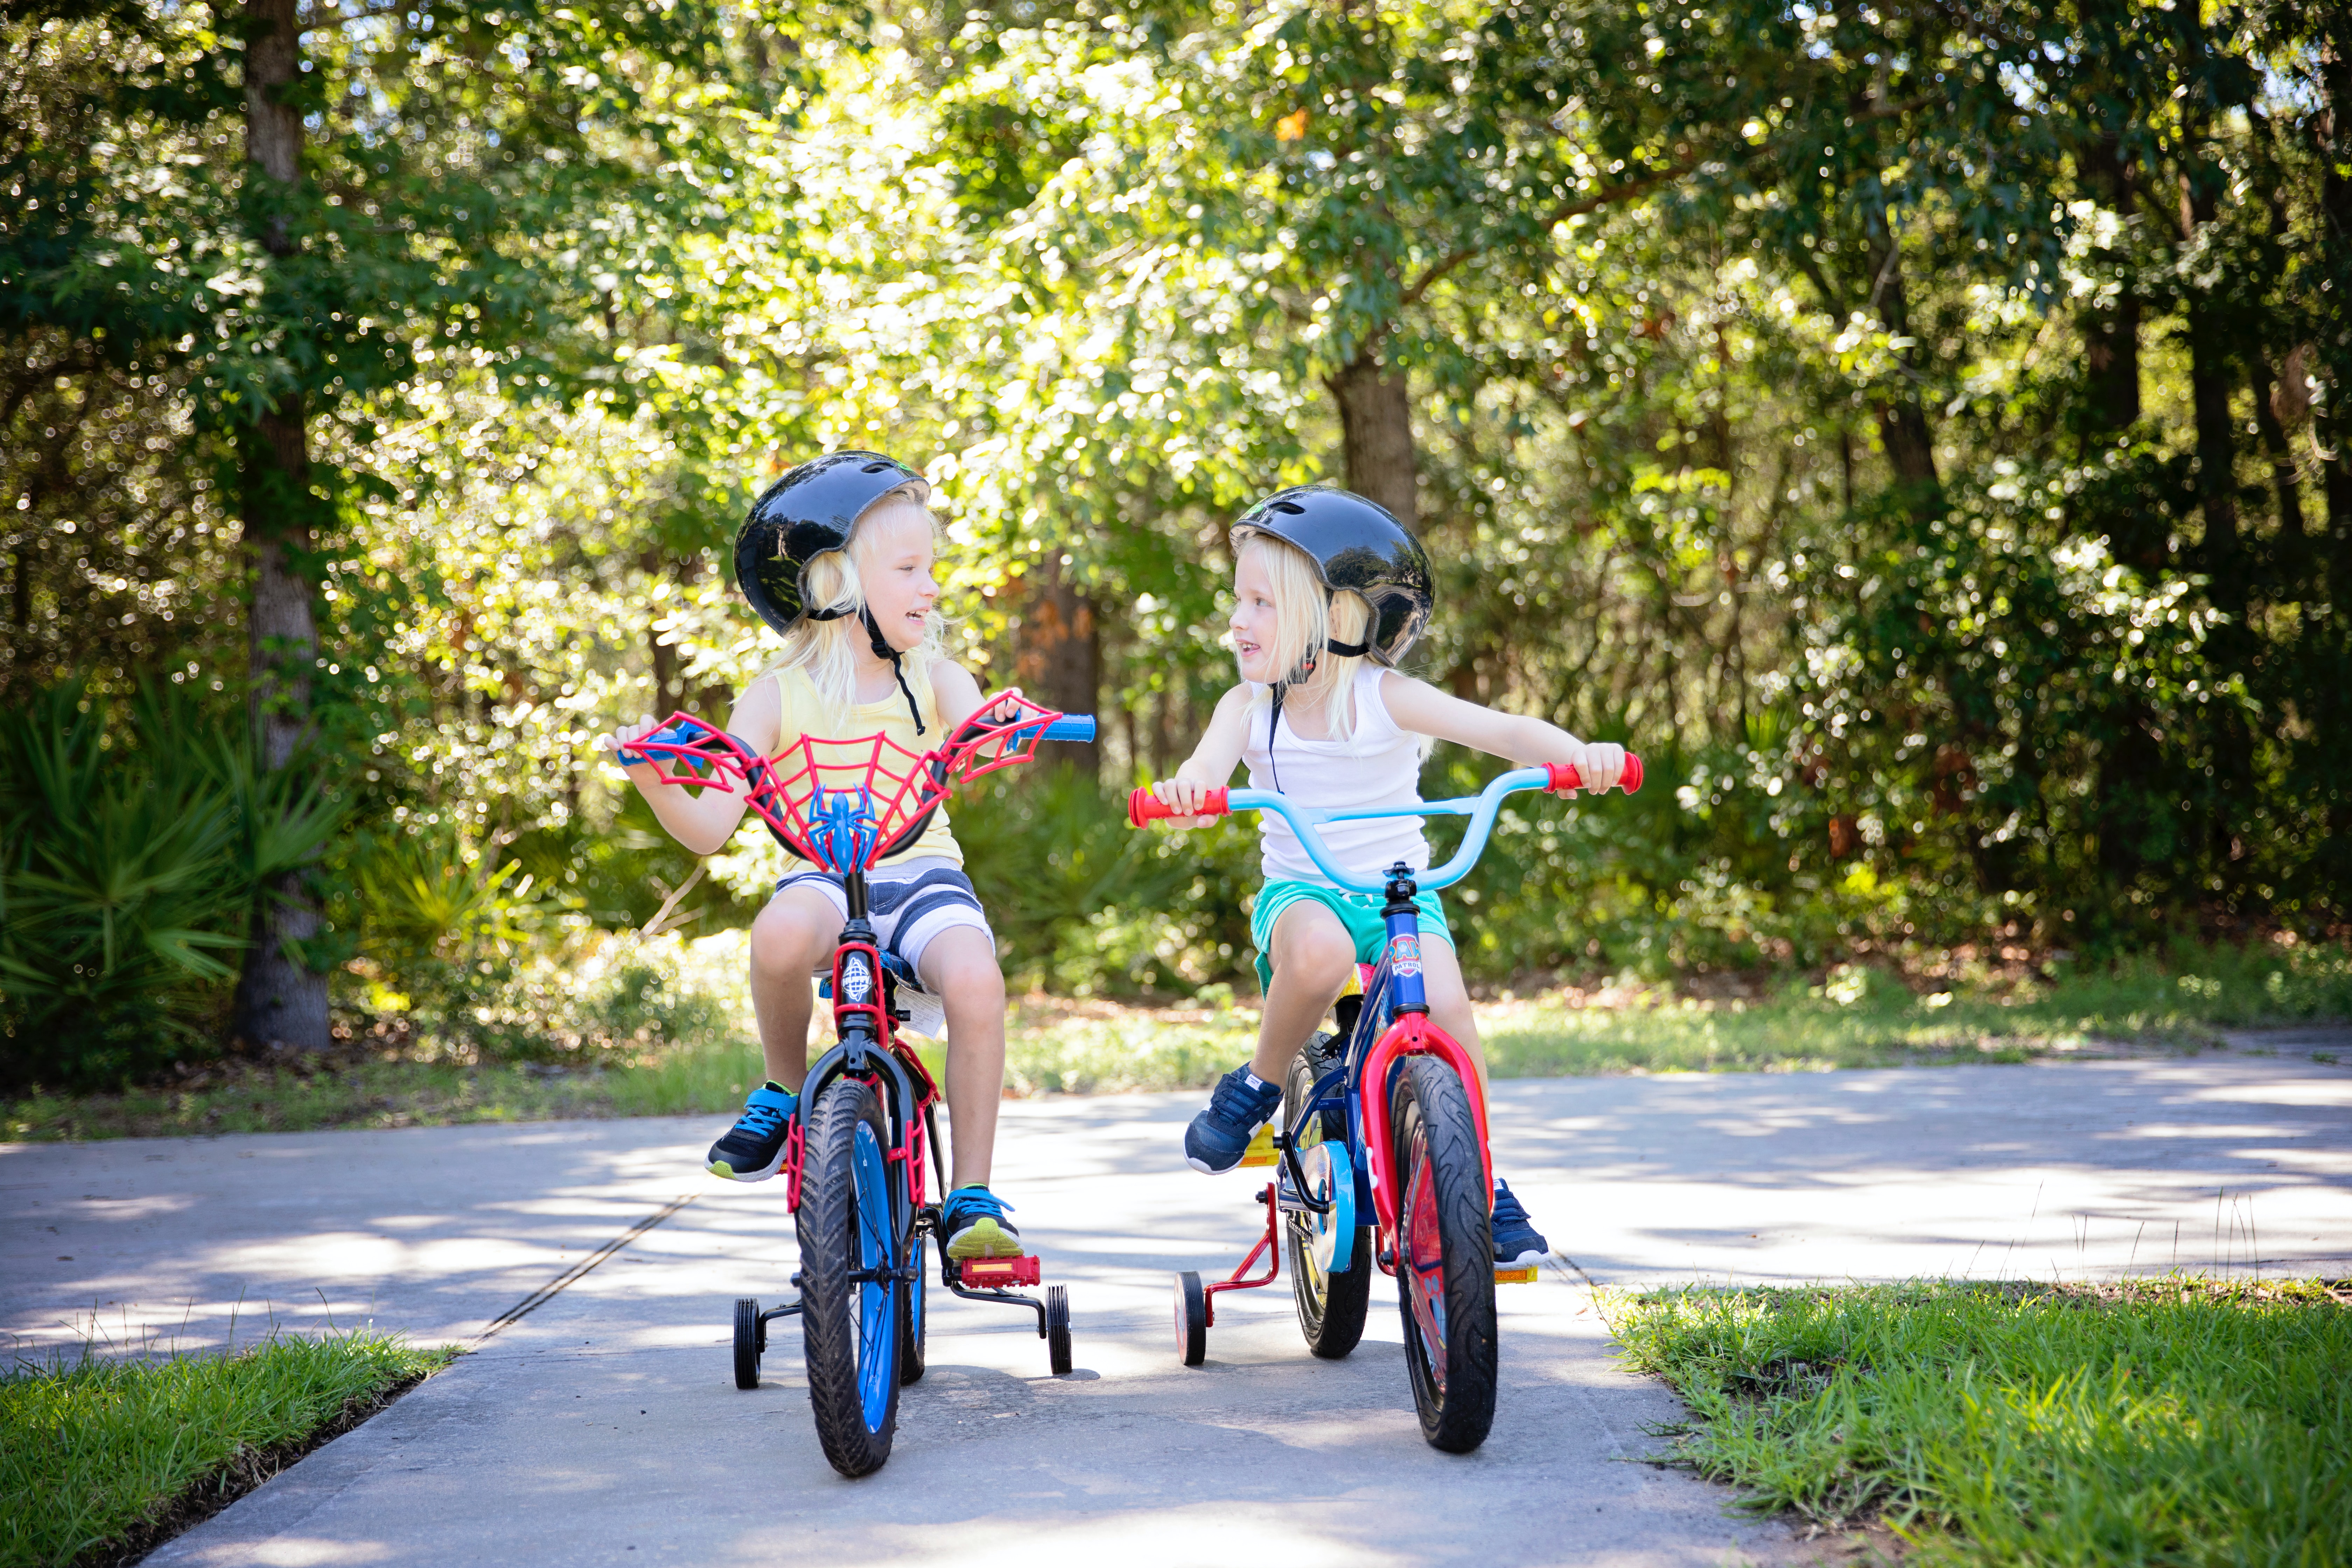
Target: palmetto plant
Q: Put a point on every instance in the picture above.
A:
(129, 856)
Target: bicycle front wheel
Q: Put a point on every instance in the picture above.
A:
(850, 1290)
(1446, 1255)
(1332, 1296)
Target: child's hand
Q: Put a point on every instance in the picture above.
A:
(1599, 764)
(1185, 795)
(628, 734)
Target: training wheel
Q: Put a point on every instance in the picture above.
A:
(750, 1336)
(1058, 1328)
(1192, 1318)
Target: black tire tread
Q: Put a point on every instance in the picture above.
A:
(1460, 1421)
(827, 1294)
(1334, 1325)
(1058, 1328)
(1193, 1333)
(747, 1342)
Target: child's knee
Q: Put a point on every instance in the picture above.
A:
(964, 971)
(1319, 955)
(788, 938)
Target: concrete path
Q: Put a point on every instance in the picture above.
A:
(601, 1427)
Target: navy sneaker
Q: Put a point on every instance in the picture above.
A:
(974, 1219)
(1221, 1135)
(753, 1149)
(1517, 1243)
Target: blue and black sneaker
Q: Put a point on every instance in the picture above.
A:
(1517, 1243)
(753, 1149)
(973, 1219)
(1221, 1135)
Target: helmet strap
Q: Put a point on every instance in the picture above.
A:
(1349, 649)
(1274, 718)
(882, 649)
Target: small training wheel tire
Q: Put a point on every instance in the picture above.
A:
(1058, 1328)
(747, 1342)
(1192, 1318)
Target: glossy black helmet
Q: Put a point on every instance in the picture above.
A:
(1356, 544)
(801, 517)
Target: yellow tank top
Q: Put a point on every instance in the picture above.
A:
(804, 713)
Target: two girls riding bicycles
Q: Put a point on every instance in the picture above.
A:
(829, 747)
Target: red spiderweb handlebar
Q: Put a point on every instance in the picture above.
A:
(847, 804)
(1143, 807)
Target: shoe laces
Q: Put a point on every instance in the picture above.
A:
(1508, 1210)
(761, 1118)
(1234, 1100)
(976, 1203)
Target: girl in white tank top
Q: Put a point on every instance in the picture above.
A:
(1322, 716)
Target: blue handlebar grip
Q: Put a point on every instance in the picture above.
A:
(1070, 726)
(668, 735)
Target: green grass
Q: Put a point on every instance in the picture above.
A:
(1855, 1016)
(2165, 1421)
(94, 1451)
(1867, 1018)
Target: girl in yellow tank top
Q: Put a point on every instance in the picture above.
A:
(838, 556)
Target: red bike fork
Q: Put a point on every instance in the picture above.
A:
(1413, 1034)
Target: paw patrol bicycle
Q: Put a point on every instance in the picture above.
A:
(1382, 1150)
(866, 1121)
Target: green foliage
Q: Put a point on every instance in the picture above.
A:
(2150, 1421)
(91, 1450)
(134, 856)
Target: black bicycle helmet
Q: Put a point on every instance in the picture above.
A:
(808, 514)
(802, 516)
(1356, 544)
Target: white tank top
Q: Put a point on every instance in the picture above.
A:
(1378, 765)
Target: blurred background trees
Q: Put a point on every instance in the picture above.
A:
(1915, 428)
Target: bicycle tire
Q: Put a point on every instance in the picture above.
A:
(1445, 1257)
(748, 1342)
(1331, 1307)
(912, 1321)
(849, 1327)
(1192, 1318)
(1057, 1329)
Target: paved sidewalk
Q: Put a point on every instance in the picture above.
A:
(602, 1427)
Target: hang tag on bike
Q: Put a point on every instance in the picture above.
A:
(856, 979)
(1405, 954)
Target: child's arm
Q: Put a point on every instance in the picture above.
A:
(1213, 761)
(1420, 708)
(703, 820)
(958, 696)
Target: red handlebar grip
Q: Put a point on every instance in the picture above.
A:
(1143, 807)
(1565, 776)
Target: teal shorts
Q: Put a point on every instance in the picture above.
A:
(1360, 913)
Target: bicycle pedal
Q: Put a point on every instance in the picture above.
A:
(992, 1273)
(1525, 1275)
(1261, 1148)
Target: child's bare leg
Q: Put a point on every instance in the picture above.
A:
(1312, 957)
(790, 939)
(1449, 1001)
(960, 966)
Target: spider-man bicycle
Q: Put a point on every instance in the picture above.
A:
(855, 1147)
(1383, 1145)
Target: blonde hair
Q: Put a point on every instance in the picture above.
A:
(827, 651)
(1306, 616)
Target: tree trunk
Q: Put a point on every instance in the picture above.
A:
(1060, 661)
(280, 1000)
(1376, 435)
(2111, 335)
(1903, 428)
(2333, 423)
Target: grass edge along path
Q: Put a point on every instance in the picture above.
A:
(103, 1460)
(1853, 1016)
(2150, 1421)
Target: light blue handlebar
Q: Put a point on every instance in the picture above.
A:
(1479, 808)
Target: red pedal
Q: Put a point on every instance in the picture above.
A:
(987, 1273)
